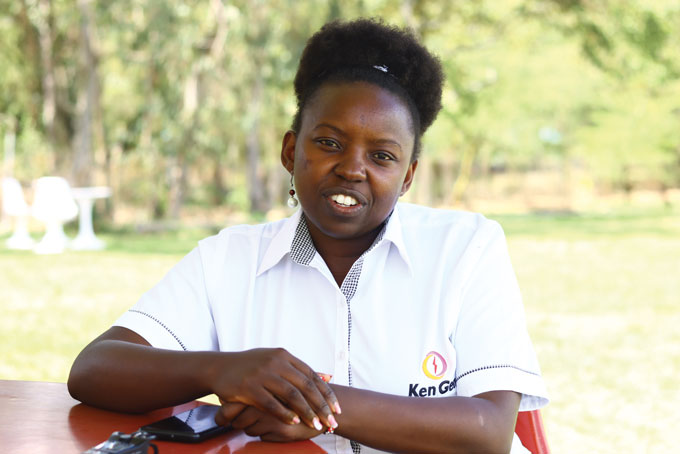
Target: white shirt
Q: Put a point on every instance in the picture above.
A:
(431, 309)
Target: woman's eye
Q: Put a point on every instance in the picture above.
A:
(380, 156)
(328, 143)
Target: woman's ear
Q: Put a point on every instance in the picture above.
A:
(288, 151)
(408, 179)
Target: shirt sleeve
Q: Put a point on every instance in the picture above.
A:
(493, 348)
(175, 314)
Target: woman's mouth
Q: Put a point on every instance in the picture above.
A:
(344, 200)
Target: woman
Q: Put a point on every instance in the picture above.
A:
(397, 303)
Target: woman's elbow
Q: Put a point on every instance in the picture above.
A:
(490, 435)
(78, 380)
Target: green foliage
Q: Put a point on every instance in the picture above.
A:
(195, 93)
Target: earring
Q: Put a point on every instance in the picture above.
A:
(292, 201)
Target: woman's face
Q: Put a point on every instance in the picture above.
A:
(352, 157)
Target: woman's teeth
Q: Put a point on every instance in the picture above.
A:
(344, 200)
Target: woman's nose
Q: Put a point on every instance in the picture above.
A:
(351, 166)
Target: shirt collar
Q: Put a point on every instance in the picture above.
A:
(280, 244)
(395, 234)
(294, 239)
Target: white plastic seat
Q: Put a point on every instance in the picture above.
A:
(85, 197)
(14, 205)
(53, 204)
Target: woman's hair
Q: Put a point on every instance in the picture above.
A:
(367, 50)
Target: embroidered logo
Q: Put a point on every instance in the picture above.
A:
(434, 366)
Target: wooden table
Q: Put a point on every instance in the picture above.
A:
(38, 417)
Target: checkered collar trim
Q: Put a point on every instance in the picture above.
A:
(302, 248)
(294, 240)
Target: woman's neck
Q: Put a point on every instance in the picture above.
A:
(341, 253)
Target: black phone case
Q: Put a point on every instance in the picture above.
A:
(191, 426)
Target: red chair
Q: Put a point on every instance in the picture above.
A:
(529, 429)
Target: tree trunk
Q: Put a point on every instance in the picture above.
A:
(9, 146)
(30, 42)
(423, 182)
(107, 159)
(113, 178)
(192, 102)
(256, 187)
(104, 156)
(56, 110)
(219, 189)
(465, 173)
(49, 104)
(82, 167)
(448, 180)
(178, 174)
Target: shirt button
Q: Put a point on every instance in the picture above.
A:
(342, 356)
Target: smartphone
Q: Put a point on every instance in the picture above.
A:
(191, 426)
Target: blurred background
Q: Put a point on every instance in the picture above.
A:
(561, 119)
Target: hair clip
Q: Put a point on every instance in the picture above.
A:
(382, 68)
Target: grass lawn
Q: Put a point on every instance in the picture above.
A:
(601, 296)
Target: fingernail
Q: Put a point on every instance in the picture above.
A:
(317, 424)
(333, 422)
(337, 409)
(296, 420)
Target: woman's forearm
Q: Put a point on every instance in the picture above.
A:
(123, 376)
(408, 424)
(120, 371)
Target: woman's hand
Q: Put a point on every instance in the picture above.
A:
(257, 423)
(278, 384)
